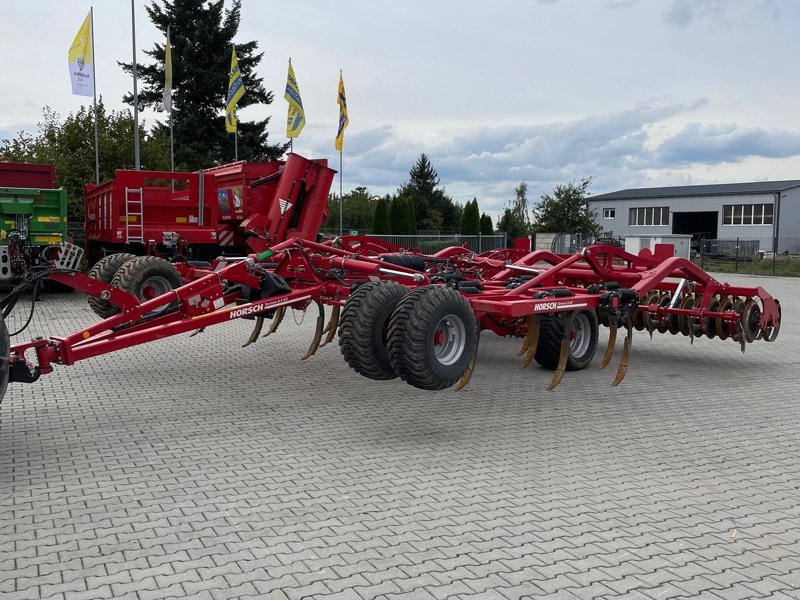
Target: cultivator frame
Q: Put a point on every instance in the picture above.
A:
(407, 314)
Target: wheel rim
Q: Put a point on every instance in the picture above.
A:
(580, 338)
(449, 339)
(154, 286)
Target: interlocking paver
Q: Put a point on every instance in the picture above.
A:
(190, 467)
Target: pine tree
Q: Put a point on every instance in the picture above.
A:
(433, 208)
(202, 35)
(486, 225)
(471, 220)
(380, 222)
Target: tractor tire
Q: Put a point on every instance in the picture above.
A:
(5, 350)
(147, 277)
(104, 270)
(582, 347)
(433, 335)
(363, 328)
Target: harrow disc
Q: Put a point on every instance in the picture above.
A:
(723, 331)
(709, 323)
(750, 318)
(364, 327)
(433, 336)
(771, 333)
(662, 325)
(644, 315)
(684, 321)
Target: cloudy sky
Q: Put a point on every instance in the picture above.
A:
(633, 93)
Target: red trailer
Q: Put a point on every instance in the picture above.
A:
(27, 175)
(196, 215)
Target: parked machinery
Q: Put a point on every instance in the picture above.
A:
(33, 218)
(398, 314)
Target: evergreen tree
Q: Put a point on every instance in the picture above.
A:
(401, 216)
(202, 35)
(471, 220)
(486, 225)
(380, 222)
(433, 208)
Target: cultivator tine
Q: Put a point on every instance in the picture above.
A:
(196, 331)
(467, 375)
(623, 363)
(256, 332)
(612, 340)
(276, 320)
(317, 333)
(531, 341)
(563, 355)
(332, 325)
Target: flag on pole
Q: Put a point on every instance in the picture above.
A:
(297, 116)
(344, 120)
(168, 75)
(235, 93)
(80, 57)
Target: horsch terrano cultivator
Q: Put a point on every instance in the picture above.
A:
(397, 313)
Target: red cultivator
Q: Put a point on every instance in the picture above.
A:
(399, 314)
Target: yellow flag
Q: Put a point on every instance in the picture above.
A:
(296, 119)
(81, 60)
(235, 92)
(168, 75)
(344, 120)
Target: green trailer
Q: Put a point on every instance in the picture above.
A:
(31, 222)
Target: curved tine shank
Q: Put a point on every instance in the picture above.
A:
(467, 375)
(317, 333)
(196, 331)
(533, 340)
(612, 340)
(333, 324)
(623, 363)
(276, 320)
(562, 363)
(256, 332)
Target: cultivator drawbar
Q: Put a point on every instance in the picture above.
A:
(396, 313)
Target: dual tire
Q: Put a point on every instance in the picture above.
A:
(428, 336)
(142, 276)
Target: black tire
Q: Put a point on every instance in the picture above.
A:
(104, 270)
(147, 277)
(5, 351)
(582, 346)
(409, 261)
(432, 337)
(364, 325)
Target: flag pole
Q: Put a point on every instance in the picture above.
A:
(136, 162)
(341, 197)
(236, 140)
(94, 85)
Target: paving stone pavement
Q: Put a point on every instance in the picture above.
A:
(193, 468)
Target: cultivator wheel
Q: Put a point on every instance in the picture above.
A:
(433, 337)
(147, 277)
(364, 328)
(581, 338)
(104, 270)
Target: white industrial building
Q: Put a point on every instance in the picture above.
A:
(767, 211)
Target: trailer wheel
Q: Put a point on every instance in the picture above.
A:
(364, 325)
(104, 270)
(582, 342)
(147, 277)
(433, 335)
(5, 349)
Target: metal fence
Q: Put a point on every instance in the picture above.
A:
(730, 249)
(434, 242)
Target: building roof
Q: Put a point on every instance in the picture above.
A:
(718, 189)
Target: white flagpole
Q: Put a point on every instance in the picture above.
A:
(137, 164)
(94, 85)
(341, 197)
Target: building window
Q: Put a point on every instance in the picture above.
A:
(747, 214)
(609, 213)
(650, 215)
